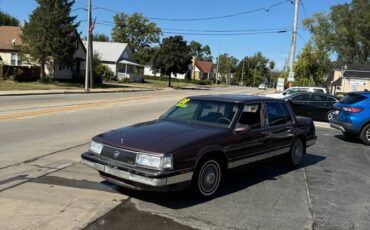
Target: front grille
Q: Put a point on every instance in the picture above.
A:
(120, 155)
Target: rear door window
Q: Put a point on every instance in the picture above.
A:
(318, 98)
(275, 113)
(251, 116)
(301, 97)
(352, 98)
(288, 116)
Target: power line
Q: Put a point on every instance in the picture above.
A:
(221, 31)
(265, 9)
(225, 34)
(214, 33)
(299, 34)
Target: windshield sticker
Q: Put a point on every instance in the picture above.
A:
(183, 103)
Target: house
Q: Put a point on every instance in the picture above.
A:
(148, 71)
(118, 57)
(9, 52)
(202, 70)
(349, 78)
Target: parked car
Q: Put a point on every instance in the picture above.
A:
(262, 86)
(317, 106)
(293, 90)
(198, 140)
(352, 115)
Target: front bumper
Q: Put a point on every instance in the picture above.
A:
(133, 178)
(311, 141)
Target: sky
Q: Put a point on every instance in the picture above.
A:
(274, 46)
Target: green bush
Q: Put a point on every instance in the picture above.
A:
(103, 71)
(124, 80)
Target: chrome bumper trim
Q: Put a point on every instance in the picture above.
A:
(337, 127)
(156, 182)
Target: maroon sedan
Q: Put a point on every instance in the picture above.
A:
(197, 140)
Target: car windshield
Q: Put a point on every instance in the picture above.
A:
(203, 112)
(291, 91)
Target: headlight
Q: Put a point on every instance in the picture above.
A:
(154, 161)
(95, 147)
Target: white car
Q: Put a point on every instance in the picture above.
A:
(262, 86)
(293, 90)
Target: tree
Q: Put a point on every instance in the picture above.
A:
(8, 20)
(51, 32)
(344, 31)
(200, 52)
(100, 37)
(312, 66)
(137, 31)
(172, 57)
(257, 69)
(226, 65)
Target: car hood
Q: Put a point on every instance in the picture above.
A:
(159, 136)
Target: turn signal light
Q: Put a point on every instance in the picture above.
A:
(352, 109)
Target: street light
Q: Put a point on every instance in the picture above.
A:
(255, 73)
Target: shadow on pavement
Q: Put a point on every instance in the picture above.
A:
(350, 139)
(235, 181)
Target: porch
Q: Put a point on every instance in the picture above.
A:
(130, 70)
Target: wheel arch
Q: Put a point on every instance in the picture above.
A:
(217, 153)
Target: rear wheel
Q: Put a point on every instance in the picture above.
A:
(296, 153)
(365, 134)
(207, 177)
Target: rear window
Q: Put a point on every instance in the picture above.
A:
(352, 98)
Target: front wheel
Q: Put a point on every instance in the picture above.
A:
(365, 134)
(296, 153)
(207, 178)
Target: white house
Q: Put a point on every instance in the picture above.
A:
(149, 72)
(118, 57)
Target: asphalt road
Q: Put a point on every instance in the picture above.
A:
(43, 185)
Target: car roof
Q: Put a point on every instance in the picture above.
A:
(363, 93)
(233, 98)
(311, 93)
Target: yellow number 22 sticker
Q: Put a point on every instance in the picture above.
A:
(183, 103)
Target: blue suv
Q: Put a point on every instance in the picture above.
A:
(352, 115)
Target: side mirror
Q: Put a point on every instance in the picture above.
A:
(242, 128)
(284, 93)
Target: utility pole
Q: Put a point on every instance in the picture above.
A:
(88, 59)
(292, 50)
(255, 73)
(241, 82)
(218, 60)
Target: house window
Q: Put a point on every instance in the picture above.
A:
(13, 59)
(64, 67)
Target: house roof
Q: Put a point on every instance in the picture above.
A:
(354, 67)
(109, 51)
(9, 37)
(356, 74)
(204, 66)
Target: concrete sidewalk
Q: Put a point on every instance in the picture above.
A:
(71, 91)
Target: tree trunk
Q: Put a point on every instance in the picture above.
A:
(42, 70)
(169, 80)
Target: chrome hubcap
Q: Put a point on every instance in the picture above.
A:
(330, 115)
(297, 152)
(209, 177)
(368, 134)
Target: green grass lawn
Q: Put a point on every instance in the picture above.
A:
(11, 85)
(156, 84)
